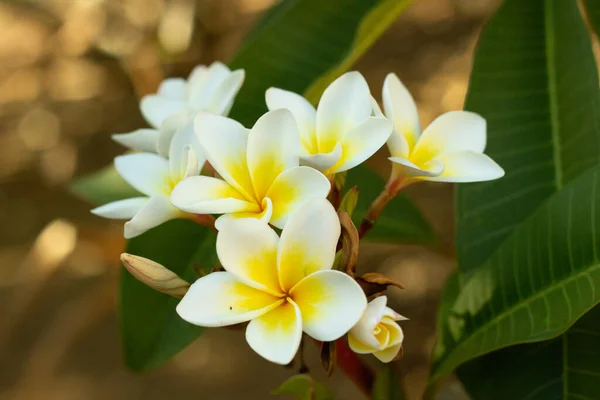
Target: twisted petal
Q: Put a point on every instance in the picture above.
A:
(264, 214)
(344, 104)
(467, 166)
(276, 335)
(185, 157)
(308, 242)
(331, 302)
(223, 98)
(361, 142)
(148, 173)
(400, 108)
(272, 148)
(142, 139)
(156, 109)
(323, 161)
(451, 132)
(219, 299)
(207, 195)
(247, 248)
(155, 212)
(122, 209)
(204, 83)
(294, 187)
(403, 167)
(361, 338)
(304, 113)
(224, 143)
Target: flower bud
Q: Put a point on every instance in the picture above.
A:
(155, 275)
(377, 332)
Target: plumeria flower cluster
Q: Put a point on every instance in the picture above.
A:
(276, 177)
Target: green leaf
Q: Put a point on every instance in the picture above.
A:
(349, 201)
(543, 278)
(563, 368)
(541, 108)
(401, 220)
(301, 40)
(152, 330)
(304, 387)
(103, 186)
(387, 386)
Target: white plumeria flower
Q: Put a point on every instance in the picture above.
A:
(377, 332)
(177, 101)
(449, 150)
(261, 176)
(155, 177)
(283, 286)
(340, 133)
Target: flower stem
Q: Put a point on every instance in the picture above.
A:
(389, 192)
(205, 220)
(355, 369)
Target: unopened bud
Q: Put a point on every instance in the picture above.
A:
(155, 275)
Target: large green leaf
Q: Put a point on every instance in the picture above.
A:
(593, 12)
(535, 286)
(152, 330)
(302, 40)
(542, 112)
(563, 368)
(535, 81)
(401, 220)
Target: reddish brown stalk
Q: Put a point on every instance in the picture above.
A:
(205, 220)
(389, 192)
(354, 368)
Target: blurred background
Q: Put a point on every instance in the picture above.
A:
(71, 73)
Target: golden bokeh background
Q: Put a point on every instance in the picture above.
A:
(71, 73)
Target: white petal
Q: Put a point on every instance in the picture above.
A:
(264, 214)
(451, 132)
(207, 195)
(148, 173)
(155, 212)
(169, 127)
(223, 98)
(155, 108)
(202, 90)
(293, 188)
(224, 143)
(361, 142)
(173, 88)
(219, 299)
(272, 148)
(304, 113)
(331, 303)
(363, 330)
(247, 248)
(376, 109)
(142, 139)
(185, 157)
(344, 104)
(276, 335)
(405, 168)
(323, 161)
(308, 242)
(467, 166)
(122, 209)
(400, 108)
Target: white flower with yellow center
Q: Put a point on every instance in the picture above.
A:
(340, 133)
(449, 150)
(155, 177)
(177, 101)
(283, 286)
(377, 332)
(259, 171)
